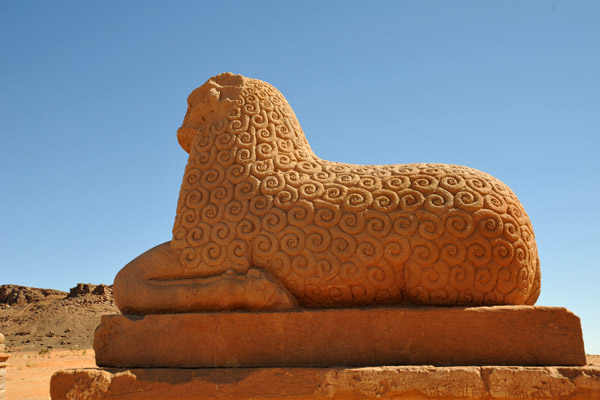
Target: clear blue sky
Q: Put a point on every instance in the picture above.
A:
(92, 93)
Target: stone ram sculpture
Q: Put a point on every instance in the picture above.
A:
(264, 224)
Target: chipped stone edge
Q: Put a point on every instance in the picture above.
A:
(489, 382)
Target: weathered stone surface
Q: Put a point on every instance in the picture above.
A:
(2, 382)
(501, 335)
(3, 358)
(263, 223)
(407, 382)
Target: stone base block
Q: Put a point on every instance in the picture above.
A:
(2, 383)
(3, 358)
(406, 382)
(503, 335)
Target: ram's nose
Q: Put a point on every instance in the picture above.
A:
(185, 136)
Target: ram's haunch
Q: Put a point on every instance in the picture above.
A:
(263, 223)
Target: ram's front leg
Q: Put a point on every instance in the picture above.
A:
(151, 284)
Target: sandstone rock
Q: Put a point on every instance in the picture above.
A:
(407, 382)
(15, 294)
(82, 289)
(264, 224)
(501, 335)
(89, 293)
(103, 290)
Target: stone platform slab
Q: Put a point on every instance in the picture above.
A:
(3, 358)
(405, 382)
(502, 335)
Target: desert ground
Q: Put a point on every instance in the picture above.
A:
(48, 330)
(29, 372)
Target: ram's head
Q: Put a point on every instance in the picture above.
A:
(209, 105)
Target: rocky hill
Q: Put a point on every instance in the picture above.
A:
(39, 319)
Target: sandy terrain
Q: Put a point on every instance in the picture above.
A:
(29, 372)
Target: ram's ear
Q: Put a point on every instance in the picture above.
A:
(227, 79)
(185, 136)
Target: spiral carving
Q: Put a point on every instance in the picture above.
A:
(255, 195)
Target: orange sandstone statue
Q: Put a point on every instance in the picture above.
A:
(264, 224)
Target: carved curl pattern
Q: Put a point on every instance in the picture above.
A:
(255, 194)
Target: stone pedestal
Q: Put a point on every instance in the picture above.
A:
(406, 382)
(3, 358)
(502, 335)
(407, 353)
